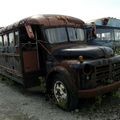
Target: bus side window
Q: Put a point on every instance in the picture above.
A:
(5, 39)
(1, 41)
(16, 38)
(11, 39)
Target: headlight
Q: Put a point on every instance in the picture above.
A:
(81, 59)
(87, 69)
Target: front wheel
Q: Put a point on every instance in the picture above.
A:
(63, 94)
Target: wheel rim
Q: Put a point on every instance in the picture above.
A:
(60, 93)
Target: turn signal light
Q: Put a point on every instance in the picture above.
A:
(81, 59)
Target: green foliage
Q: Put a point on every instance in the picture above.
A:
(42, 85)
(94, 104)
(117, 51)
(116, 94)
(97, 104)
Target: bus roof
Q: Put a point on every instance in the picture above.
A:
(106, 21)
(47, 21)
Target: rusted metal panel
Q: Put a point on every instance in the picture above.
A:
(30, 61)
(65, 20)
(11, 62)
(47, 21)
(54, 20)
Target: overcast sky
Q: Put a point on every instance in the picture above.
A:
(14, 10)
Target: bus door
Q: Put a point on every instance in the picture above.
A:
(29, 50)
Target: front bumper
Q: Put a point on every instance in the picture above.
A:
(89, 93)
(104, 72)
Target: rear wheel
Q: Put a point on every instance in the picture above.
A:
(63, 94)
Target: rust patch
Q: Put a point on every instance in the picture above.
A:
(47, 21)
(30, 61)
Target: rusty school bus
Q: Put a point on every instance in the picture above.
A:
(107, 33)
(50, 51)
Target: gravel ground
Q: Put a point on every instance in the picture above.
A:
(15, 104)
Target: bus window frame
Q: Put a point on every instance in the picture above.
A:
(16, 42)
(13, 39)
(1, 41)
(5, 45)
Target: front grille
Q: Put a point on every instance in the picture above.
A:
(107, 74)
(116, 71)
(102, 74)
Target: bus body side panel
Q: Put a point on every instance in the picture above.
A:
(31, 68)
(10, 66)
(30, 61)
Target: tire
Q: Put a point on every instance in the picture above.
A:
(63, 94)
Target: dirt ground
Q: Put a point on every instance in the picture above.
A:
(16, 104)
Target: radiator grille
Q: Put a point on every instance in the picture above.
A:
(102, 74)
(116, 71)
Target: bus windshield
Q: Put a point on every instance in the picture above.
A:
(108, 34)
(105, 34)
(117, 34)
(63, 34)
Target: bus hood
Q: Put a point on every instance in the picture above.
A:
(91, 52)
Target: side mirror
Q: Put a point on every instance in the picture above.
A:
(93, 30)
